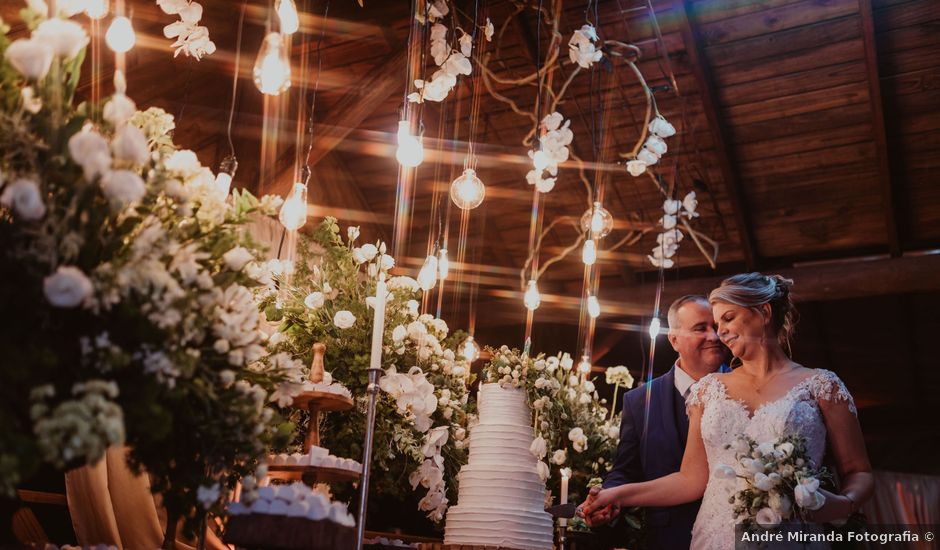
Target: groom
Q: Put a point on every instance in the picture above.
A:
(652, 448)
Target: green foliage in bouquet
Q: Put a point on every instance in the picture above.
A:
(129, 277)
(420, 428)
(573, 427)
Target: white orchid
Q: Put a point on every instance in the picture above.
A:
(191, 38)
(582, 49)
(662, 128)
(636, 167)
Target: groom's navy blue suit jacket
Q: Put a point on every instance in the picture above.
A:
(657, 451)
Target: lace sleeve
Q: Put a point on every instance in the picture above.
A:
(826, 386)
(703, 391)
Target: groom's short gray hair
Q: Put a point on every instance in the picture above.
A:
(673, 314)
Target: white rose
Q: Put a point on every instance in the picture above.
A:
(119, 109)
(768, 518)
(130, 145)
(90, 150)
(67, 287)
(723, 471)
(766, 449)
(399, 333)
(538, 448)
(368, 251)
(785, 449)
(66, 38)
(314, 300)
(31, 57)
(762, 482)
(23, 196)
(344, 319)
(358, 256)
(123, 187)
(236, 258)
(636, 167)
(559, 457)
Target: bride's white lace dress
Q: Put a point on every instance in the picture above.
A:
(724, 418)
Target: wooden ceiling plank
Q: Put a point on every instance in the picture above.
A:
(885, 170)
(720, 134)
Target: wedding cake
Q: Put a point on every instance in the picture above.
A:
(501, 502)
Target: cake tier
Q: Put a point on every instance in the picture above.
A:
(501, 444)
(521, 490)
(497, 525)
(503, 405)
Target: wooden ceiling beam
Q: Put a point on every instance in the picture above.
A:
(719, 130)
(883, 159)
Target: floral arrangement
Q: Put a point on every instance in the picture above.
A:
(130, 276)
(780, 481)
(572, 426)
(421, 415)
(553, 150)
(667, 242)
(582, 47)
(192, 38)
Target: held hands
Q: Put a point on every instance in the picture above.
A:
(599, 508)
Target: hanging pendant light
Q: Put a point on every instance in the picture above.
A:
(120, 36)
(532, 298)
(589, 252)
(427, 277)
(223, 180)
(287, 15)
(96, 9)
(293, 214)
(467, 191)
(443, 264)
(598, 221)
(272, 67)
(654, 328)
(593, 307)
(470, 350)
(584, 367)
(410, 152)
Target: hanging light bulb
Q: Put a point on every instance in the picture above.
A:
(593, 307)
(410, 153)
(584, 367)
(532, 298)
(654, 328)
(598, 221)
(589, 252)
(223, 180)
(427, 277)
(470, 349)
(467, 191)
(120, 36)
(287, 14)
(443, 264)
(96, 9)
(272, 68)
(293, 214)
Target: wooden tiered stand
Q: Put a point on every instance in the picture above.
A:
(315, 402)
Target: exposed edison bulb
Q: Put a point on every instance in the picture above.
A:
(293, 214)
(120, 36)
(470, 349)
(427, 277)
(410, 153)
(598, 221)
(272, 67)
(540, 160)
(584, 366)
(589, 252)
(96, 9)
(287, 15)
(593, 307)
(532, 298)
(654, 328)
(223, 180)
(467, 191)
(443, 264)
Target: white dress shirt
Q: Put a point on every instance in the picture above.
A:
(683, 381)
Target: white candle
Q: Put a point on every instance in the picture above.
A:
(564, 493)
(378, 327)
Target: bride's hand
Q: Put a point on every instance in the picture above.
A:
(836, 508)
(601, 499)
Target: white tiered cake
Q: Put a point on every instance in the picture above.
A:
(501, 502)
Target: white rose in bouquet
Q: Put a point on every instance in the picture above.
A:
(123, 187)
(23, 196)
(119, 109)
(344, 319)
(768, 518)
(314, 300)
(66, 38)
(236, 258)
(30, 57)
(130, 144)
(90, 150)
(66, 288)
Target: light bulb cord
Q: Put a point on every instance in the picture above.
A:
(238, 55)
(313, 100)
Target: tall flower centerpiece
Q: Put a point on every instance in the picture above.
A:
(420, 428)
(127, 280)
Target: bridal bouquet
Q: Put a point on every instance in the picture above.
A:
(420, 427)
(779, 481)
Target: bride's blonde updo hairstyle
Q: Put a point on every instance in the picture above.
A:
(753, 290)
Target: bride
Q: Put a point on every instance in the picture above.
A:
(767, 397)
